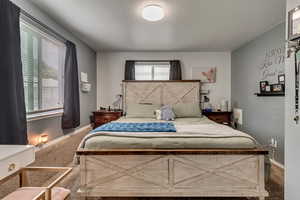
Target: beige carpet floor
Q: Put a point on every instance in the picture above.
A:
(72, 182)
(61, 154)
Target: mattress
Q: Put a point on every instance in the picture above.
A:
(212, 135)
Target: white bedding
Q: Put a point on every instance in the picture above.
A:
(192, 131)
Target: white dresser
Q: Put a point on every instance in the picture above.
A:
(15, 157)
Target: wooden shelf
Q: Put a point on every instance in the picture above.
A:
(270, 94)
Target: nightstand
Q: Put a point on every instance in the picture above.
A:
(219, 117)
(102, 117)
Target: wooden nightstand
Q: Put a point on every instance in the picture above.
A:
(219, 117)
(102, 117)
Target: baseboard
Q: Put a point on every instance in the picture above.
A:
(65, 137)
(277, 172)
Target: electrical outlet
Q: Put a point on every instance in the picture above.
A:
(274, 143)
(238, 116)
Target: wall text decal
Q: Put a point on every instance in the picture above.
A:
(272, 65)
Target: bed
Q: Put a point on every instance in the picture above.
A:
(200, 159)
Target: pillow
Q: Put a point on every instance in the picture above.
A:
(167, 113)
(141, 110)
(187, 110)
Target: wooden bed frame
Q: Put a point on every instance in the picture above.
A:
(170, 172)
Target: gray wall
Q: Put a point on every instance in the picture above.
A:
(110, 69)
(292, 131)
(87, 63)
(263, 117)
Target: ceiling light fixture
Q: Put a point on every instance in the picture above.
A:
(153, 13)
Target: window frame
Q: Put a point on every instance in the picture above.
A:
(153, 64)
(55, 111)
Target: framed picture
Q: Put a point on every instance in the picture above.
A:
(268, 88)
(263, 85)
(276, 88)
(205, 74)
(281, 79)
(294, 23)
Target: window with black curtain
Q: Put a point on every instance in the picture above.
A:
(13, 126)
(43, 58)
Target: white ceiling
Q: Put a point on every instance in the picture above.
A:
(189, 25)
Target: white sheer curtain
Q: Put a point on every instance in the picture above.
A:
(152, 71)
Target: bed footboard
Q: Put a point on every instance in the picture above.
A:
(172, 173)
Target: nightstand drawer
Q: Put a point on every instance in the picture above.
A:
(219, 117)
(110, 117)
(102, 121)
(103, 117)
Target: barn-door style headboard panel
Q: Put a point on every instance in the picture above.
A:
(161, 92)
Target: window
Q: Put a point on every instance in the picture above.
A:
(43, 66)
(152, 71)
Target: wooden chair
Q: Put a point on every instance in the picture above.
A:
(49, 192)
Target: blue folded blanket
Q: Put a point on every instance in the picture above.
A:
(137, 127)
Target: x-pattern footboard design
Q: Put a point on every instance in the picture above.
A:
(134, 172)
(173, 175)
(232, 172)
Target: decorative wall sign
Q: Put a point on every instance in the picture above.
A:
(297, 76)
(205, 74)
(294, 48)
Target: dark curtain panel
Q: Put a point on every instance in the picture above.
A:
(71, 115)
(175, 70)
(130, 70)
(13, 124)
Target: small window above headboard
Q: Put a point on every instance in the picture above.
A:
(152, 70)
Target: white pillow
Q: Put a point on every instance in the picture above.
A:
(187, 110)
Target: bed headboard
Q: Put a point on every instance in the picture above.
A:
(161, 92)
